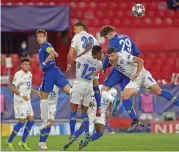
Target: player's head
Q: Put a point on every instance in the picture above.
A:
(78, 27)
(112, 55)
(41, 36)
(107, 32)
(25, 64)
(97, 52)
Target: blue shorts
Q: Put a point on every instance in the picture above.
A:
(53, 77)
(116, 77)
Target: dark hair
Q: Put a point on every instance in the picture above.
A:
(106, 30)
(25, 60)
(81, 24)
(111, 50)
(96, 49)
(41, 31)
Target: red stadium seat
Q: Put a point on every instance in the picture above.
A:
(116, 23)
(113, 5)
(147, 21)
(177, 13)
(103, 6)
(167, 22)
(176, 21)
(109, 14)
(122, 6)
(150, 13)
(170, 13)
(160, 13)
(157, 22)
(99, 14)
(151, 6)
(162, 5)
(119, 14)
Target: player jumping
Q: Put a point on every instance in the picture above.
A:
(22, 87)
(82, 90)
(121, 43)
(79, 43)
(133, 68)
(52, 75)
(98, 121)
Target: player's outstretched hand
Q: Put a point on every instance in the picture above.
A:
(25, 98)
(135, 77)
(98, 112)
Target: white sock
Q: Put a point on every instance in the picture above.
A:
(44, 110)
(106, 95)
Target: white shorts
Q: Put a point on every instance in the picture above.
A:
(52, 107)
(145, 116)
(145, 79)
(81, 94)
(93, 119)
(23, 109)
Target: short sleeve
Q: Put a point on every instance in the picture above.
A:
(74, 42)
(48, 48)
(128, 57)
(80, 59)
(100, 65)
(16, 80)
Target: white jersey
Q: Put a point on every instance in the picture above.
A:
(87, 69)
(80, 41)
(23, 82)
(53, 96)
(126, 65)
(104, 103)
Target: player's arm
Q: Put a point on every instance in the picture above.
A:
(70, 56)
(35, 91)
(140, 64)
(16, 91)
(52, 54)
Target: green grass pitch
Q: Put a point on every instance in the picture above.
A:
(116, 142)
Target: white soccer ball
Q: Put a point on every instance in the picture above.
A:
(138, 10)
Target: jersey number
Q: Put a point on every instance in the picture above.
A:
(88, 72)
(86, 40)
(126, 44)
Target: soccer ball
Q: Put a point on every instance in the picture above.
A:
(138, 10)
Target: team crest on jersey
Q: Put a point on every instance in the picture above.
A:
(121, 61)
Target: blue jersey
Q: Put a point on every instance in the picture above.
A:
(121, 43)
(44, 53)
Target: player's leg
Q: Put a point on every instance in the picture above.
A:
(167, 95)
(20, 115)
(46, 87)
(142, 123)
(97, 94)
(128, 92)
(27, 130)
(110, 130)
(62, 82)
(148, 122)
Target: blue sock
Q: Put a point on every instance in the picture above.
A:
(167, 95)
(85, 122)
(16, 129)
(72, 122)
(148, 127)
(79, 131)
(129, 108)
(47, 131)
(109, 128)
(96, 136)
(141, 127)
(42, 134)
(27, 130)
(97, 96)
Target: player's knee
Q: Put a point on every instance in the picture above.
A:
(125, 96)
(157, 91)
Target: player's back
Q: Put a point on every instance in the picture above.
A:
(123, 42)
(43, 55)
(80, 41)
(88, 68)
(23, 81)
